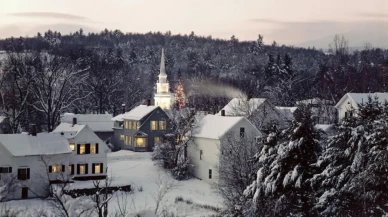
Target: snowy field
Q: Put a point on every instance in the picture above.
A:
(137, 169)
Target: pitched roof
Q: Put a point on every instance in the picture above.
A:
(215, 126)
(136, 114)
(363, 97)
(69, 130)
(97, 122)
(287, 112)
(242, 107)
(42, 144)
(315, 101)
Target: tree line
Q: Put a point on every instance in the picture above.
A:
(50, 73)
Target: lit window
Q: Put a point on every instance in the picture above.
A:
(55, 168)
(122, 137)
(154, 125)
(72, 146)
(138, 125)
(140, 142)
(127, 140)
(82, 149)
(162, 125)
(82, 169)
(156, 139)
(97, 168)
(93, 149)
(134, 125)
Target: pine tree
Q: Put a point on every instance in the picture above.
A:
(353, 180)
(282, 185)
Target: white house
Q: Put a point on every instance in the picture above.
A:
(29, 162)
(101, 124)
(204, 151)
(89, 153)
(348, 105)
(163, 97)
(258, 110)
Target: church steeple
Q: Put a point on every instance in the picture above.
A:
(163, 97)
(162, 65)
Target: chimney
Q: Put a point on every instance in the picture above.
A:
(33, 130)
(74, 121)
(222, 112)
(148, 102)
(123, 108)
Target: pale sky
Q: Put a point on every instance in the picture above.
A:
(291, 22)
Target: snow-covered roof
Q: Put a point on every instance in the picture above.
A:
(359, 98)
(97, 122)
(136, 114)
(42, 144)
(315, 101)
(69, 130)
(215, 126)
(287, 112)
(242, 107)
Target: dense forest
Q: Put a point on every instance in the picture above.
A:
(44, 76)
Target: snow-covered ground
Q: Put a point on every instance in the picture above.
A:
(137, 169)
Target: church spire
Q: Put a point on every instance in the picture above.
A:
(162, 65)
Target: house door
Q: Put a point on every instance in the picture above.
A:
(24, 193)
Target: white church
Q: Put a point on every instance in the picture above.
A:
(163, 97)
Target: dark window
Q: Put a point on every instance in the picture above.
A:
(210, 174)
(5, 169)
(24, 192)
(24, 173)
(200, 154)
(71, 169)
(242, 131)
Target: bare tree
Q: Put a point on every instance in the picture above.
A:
(55, 86)
(172, 152)
(236, 168)
(102, 197)
(164, 185)
(339, 46)
(15, 82)
(8, 186)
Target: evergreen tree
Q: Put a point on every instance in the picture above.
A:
(282, 186)
(353, 180)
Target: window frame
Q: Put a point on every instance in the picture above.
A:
(162, 125)
(154, 125)
(242, 132)
(25, 176)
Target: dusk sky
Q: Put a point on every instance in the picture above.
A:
(296, 22)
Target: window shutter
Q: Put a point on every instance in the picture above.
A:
(28, 173)
(102, 168)
(96, 148)
(63, 168)
(86, 168)
(93, 168)
(50, 169)
(78, 148)
(1, 169)
(19, 174)
(87, 148)
(10, 170)
(78, 168)
(72, 169)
